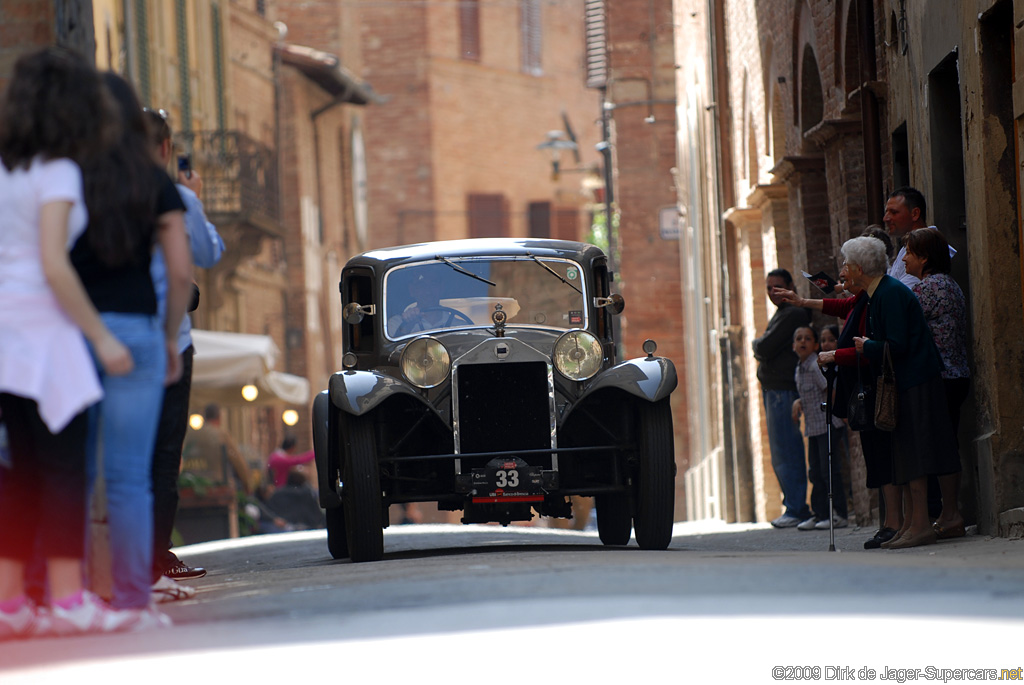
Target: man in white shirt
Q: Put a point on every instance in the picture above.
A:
(905, 211)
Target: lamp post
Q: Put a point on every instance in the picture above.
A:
(555, 143)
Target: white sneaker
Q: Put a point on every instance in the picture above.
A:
(24, 622)
(837, 521)
(149, 618)
(93, 615)
(809, 524)
(169, 590)
(786, 521)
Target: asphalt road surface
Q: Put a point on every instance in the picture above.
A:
(724, 604)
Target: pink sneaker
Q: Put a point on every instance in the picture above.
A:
(91, 616)
(25, 622)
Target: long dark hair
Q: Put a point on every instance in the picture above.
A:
(54, 106)
(121, 186)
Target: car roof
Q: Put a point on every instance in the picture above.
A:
(477, 247)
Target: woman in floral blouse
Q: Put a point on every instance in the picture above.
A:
(942, 301)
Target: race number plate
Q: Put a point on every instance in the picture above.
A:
(507, 480)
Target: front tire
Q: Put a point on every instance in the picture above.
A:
(614, 523)
(655, 502)
(361, 494)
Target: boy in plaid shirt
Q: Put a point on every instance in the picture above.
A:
(811, 386)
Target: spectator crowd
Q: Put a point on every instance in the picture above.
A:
(96, 257)
(904, 313)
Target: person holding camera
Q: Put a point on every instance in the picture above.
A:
(207, 247)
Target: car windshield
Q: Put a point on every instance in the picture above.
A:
(464, 292)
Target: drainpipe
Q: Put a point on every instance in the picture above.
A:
(724, 195)
(869, 110)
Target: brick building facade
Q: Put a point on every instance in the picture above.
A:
(468, 91)
(640, 99)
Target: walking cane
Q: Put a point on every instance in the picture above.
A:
(830, 377)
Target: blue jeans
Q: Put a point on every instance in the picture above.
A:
(123, 427)
(787, 447)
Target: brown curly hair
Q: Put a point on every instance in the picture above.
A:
(55, 106)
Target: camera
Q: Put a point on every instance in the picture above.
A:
(185, 164)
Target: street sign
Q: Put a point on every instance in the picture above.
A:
(668, 223)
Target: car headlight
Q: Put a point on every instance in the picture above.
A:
(578, 355)
(425, 362)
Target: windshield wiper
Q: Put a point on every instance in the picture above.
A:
(553, 272)
(466, 271)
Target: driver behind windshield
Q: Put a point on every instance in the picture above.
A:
(425, 312)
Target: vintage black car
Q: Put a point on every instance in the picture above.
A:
(482, 375)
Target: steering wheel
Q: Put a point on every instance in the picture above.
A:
(454, 315)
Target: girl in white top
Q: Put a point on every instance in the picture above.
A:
(54, 113)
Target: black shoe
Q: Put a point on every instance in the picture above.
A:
(883, 535)
(182, 571)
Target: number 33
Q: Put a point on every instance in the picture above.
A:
(507, 479)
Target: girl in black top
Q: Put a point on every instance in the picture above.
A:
(132, 204)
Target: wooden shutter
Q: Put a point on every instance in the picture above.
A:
(488, 215)
(469, 30)
(531, 37)
(539, 215)
(597, 44)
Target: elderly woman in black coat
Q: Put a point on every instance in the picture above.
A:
(876, 445)
(923, 442)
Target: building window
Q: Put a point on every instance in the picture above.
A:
(469, 30)
(488, 215)
(531, 36)
(539, 215)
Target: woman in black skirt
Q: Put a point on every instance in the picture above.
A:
(923, 441)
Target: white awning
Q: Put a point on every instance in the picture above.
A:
(224, 362)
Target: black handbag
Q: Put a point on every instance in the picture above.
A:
(860, 409)
(885, 396)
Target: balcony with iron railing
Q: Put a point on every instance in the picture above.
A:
(240, 180)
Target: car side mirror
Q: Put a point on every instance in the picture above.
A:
(354, 312)
(615, 304)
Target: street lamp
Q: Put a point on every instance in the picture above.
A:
(555, 143)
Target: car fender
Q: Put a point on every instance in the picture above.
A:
(649, 378)
(321, 447)
(360, 392)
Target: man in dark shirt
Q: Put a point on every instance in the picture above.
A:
(776, 370)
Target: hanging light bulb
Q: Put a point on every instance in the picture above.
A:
(250, 392)
(196, 421)
(290, 417)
